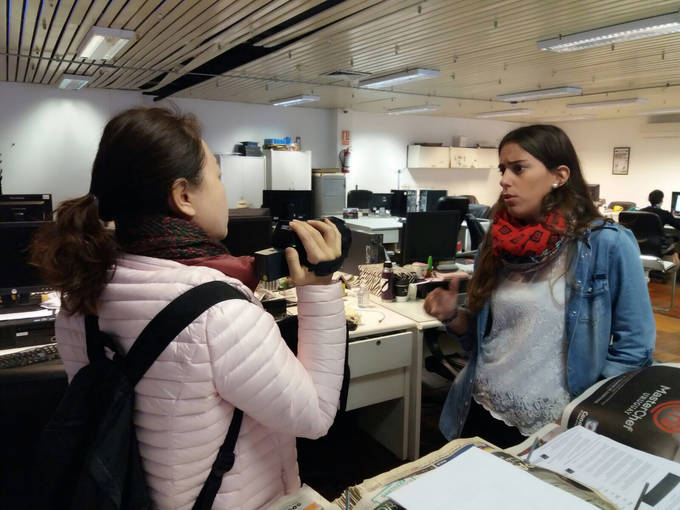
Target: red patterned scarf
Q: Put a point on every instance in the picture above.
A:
(525, 246)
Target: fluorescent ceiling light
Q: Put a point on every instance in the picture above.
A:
(398, 78)
(290, 101)
(539, 94)
(628, 101)
(413, 109)
(659, 112)
(103, 43)
(648, 27)
(567, 118)
(73, 81)
(503, 113)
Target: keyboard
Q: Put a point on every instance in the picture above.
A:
(12, 358)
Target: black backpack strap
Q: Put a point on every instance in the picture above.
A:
(170, 322)
(223, 463)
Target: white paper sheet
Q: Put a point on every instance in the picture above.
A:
(618, 471)
(476, 480)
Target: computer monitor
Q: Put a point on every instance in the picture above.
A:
(288, 204)
(379, 200)
(26, 207)
(428, 199)
(17, 276)
(403, 201)
(594, 190)
(248, 232)
(675, 202)
(432, 233)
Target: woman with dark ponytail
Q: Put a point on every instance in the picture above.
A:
(148, 230)
(558, 298)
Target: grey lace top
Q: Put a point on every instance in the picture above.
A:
(521, 376)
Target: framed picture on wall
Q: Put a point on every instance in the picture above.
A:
(621, 158)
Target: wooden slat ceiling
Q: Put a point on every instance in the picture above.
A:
(482, 48)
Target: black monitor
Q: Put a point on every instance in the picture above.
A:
(379, 200)
(403, 201)
(26, 207)
(432, 233)
(17, 276)
(248, 233)
(288, 204)
(675, 202)
(594, 190)
(428, 199)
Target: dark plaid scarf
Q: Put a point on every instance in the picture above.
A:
(527, 247)
(165, 237)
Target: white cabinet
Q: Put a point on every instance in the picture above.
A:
(420, 156)
(243, 178)
(463, 157)
(288, 170)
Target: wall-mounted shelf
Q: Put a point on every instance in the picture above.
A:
(451, 157)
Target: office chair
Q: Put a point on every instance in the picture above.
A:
(626, 205)
(359, 198)
(654, 245)
(471, 198)
(480, 210)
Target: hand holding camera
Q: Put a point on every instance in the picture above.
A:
(322, 243)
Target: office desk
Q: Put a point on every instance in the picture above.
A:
(414, 311)
(388, 226)
(382, 360)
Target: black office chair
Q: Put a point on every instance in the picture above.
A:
(648, 231)
(480, 211)
(626, 205)
(359, 198)
(462, 205)
(471, 199)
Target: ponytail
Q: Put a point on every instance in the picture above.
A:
(75, 254)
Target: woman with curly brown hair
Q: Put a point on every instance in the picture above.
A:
(557, 300)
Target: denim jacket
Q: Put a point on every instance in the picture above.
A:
(609, 321)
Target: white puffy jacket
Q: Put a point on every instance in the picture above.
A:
(230, 356)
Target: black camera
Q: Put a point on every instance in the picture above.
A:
(271, 264)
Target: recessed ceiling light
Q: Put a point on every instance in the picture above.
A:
(503, 113)
(638, 29)
(628, 101)
(103, 43)
(398, 78)
(413, 109)
(73, 81)
(290, 101)
(539, 94)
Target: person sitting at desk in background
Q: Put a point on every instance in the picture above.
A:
(558, 298)
(157, 180)
(667, 218)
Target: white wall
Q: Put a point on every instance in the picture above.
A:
(653, 162)
(379, 143)
(49, 137)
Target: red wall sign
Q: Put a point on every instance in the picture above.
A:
(345, 137)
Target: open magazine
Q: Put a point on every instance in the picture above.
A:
(375, 493)
(640, 409)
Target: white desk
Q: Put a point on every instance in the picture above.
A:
(388, 226)
(414, 311)
(381, 361)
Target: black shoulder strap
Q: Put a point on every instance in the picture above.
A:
(170, 322)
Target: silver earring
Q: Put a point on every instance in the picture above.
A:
(555, 185)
